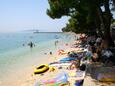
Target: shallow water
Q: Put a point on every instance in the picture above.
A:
(14, 56)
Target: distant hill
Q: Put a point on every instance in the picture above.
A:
(37, 31)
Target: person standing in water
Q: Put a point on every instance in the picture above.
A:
(31, 44)
(56, 43)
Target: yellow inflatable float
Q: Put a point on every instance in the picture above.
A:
(41, 69)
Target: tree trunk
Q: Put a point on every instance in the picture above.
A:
(98, 21)
(107, 23)
(105, 19)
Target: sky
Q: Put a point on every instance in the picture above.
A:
(21, 15)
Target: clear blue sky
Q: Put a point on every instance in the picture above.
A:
(19, 15)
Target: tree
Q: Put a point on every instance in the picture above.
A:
(86, 16)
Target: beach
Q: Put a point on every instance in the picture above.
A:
(17, 67)
(17, 70)
(19, 61)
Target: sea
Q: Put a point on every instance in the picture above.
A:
(16, 54)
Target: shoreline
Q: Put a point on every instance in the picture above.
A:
(23, 76)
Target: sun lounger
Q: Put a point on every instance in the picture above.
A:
(60, 64)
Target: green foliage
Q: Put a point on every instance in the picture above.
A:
(59, 8)
(82, 19)
(85, 15)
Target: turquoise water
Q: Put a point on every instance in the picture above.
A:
(14, 56)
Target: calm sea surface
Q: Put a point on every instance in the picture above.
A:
(15, 52)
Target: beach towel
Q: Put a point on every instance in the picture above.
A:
(60, 79)
(67, 59)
